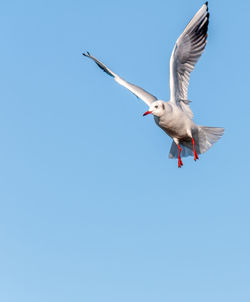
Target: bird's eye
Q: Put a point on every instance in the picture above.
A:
(156, 106)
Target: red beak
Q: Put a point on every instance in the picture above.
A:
(147, 112)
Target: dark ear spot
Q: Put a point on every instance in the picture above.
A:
(163, 106)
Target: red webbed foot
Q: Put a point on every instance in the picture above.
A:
(180, 163)
(195, 153)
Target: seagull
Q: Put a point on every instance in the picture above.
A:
(175, 117)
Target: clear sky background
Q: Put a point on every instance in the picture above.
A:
(92, 209)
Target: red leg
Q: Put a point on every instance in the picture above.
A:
(195, 153)
(179, 157)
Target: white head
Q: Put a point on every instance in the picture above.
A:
(157, 108)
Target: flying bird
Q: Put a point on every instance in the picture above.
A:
(175, 116)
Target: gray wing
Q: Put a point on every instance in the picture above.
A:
(137, 91)
(187, 51)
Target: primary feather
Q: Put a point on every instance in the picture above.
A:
(187, 51)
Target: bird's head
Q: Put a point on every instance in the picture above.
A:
(157, 108)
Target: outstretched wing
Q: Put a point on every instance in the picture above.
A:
(187, 51)
(137, 91)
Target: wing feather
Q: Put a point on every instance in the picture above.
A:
(136, 90)
(187, 51)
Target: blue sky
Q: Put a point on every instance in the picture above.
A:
(92, 209)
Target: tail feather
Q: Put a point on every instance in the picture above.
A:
(204, 138)
(207, 136)
(174, 151)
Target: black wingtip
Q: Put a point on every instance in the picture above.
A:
(87, 54)
(206, 3)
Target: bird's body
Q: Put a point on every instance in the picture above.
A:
(174, 121)
(175, 117)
